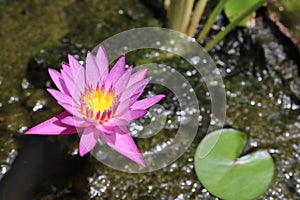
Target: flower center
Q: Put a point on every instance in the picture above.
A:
(97, 104)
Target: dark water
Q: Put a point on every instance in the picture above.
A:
(262, 87)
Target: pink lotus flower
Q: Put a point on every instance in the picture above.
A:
(98, 103)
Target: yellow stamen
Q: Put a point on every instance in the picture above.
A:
(98, 105)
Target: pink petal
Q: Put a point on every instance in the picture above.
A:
(147, 103)
(56, 78)
(115, 73)
(137, 76)
(122, 107)
(136, 114)
(69, 83)
(136, 88)
(74, 66)
(106, 129)
(66, 69)
(121, 85)
(123, 143)
(92, 73)
(67, 107)
(116, 122)
(53, 126)
(65, 101)
(79, 84)
(60, 97)
(88, 140)
(136, 95)
(125, 106)
(101, 61)
(74, 121)
(132, 115)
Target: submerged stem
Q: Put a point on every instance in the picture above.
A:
(233, 24)
(211, 19)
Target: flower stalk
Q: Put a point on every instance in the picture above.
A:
(211, 20)
(179, 12)
(181, 17)
(197, 14)
(233, 24)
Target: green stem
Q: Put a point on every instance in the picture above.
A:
(179, 14)
(233, 24)
(196, 17)
(176, 11)
(186, 16)
(211, 19)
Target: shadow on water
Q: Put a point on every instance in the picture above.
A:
(40, 161)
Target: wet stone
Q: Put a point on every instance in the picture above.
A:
(295, 87)
(37, 71)
(42, 106)
(8, 152)
(176, 180)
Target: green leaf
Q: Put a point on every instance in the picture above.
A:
(225, 174)
(234, 8)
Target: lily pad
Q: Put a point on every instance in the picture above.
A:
(234, 8)
(225, 174)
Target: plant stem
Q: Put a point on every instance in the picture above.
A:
(196, 17)
(176, 11)
(186, 15)
(179, 14)
(212, 18)
(233, 24)
(167, 4)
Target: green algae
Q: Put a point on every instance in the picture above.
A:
(100, 20)
(26, 28)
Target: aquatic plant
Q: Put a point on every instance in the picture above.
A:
(225, 174)
(183, 18)
(98, 102)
